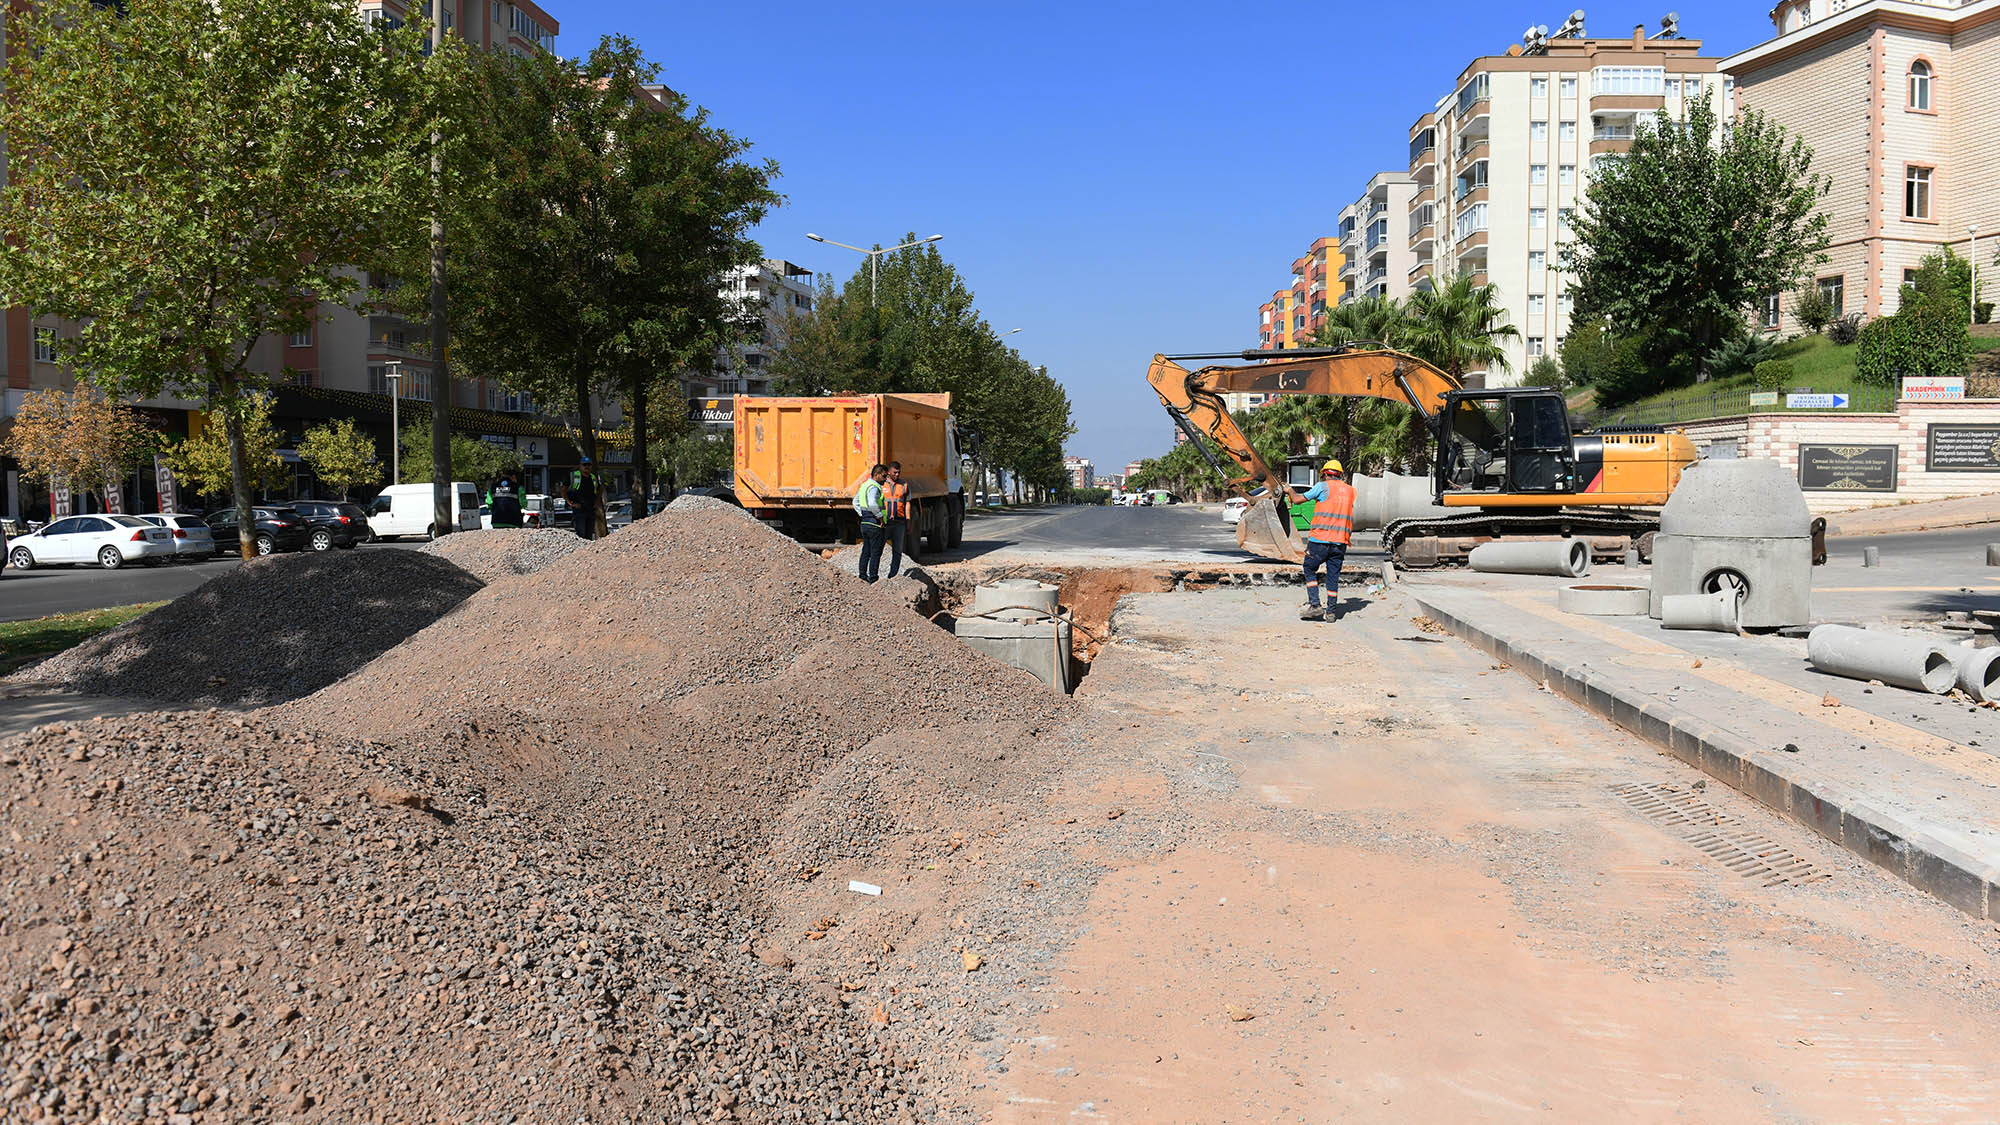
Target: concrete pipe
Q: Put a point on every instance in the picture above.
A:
(1381, 501)
(1603, 601)
(1843, 650)
(1564, 558)
(1718, 612)
(1978, 671)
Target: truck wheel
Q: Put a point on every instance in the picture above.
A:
(956, 517)
(937, 525)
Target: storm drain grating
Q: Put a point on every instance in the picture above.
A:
(1720, 836)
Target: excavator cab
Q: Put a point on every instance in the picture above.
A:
(1514, 441)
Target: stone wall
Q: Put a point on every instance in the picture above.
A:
(1779, 437)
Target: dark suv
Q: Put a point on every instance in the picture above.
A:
(334, 523)
(277, 529)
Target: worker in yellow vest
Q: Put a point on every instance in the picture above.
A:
(1326, 540)
(896, 495)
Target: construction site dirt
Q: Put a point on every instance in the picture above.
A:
(688, 825)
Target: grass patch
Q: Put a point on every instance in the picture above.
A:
(1985, 344)
(1817, 362)
(24, 642)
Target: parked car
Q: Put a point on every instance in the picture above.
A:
(191, 536)
(1233, 508)
(334, 523)
(408, 509)
(4, 525)
(539, 509)
(618, 513)
(274, 529)
(109, 541)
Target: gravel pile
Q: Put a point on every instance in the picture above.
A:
(273, 629)
(504, 552)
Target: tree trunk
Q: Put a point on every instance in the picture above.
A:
(587, 442)
(642, 469)
(441, 485)
(239, 483)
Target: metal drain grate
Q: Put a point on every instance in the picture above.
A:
(1720, 836)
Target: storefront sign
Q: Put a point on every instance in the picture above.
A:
(59, 499)
(1938, 388)
(1847, 468)
(533, 450)
(1815, 402)
(114, 499)
(1956, 447)
(718, 412)
(498, 441)
(163, 482)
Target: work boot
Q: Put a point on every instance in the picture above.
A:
(1312, 613)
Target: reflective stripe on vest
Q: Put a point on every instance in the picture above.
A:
(1333, 517)
(898, 493)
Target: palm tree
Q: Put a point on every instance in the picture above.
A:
(1459, 326)
(1381, 320)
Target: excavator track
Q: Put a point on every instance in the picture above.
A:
(1401, 535)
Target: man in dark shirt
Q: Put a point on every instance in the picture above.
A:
(583, 502)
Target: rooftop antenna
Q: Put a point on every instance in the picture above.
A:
(1535, 40)
(1670, 26)
(1572, 27)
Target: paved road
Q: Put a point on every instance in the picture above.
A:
(1184, 531)
(69, 589)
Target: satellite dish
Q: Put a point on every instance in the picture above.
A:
(1576, 17)
(1542, 30)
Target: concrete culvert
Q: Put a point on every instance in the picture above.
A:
(1978, 672)
(1564, 558)
(1719, 611)
(1603, 601)
(1843, 650)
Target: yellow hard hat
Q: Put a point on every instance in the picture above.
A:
(1332, 464)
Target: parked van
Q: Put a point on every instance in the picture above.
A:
(406, 509)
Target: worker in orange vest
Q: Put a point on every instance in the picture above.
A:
(896, 496)
(1326, 540)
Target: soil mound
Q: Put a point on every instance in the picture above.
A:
(504, 552)
(273, 629)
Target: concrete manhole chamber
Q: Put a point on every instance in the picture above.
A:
(1737, 525)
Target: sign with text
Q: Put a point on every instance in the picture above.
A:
(1962, 447)
(1847, 468)
(1763, 398)
(1935, 388)
(717, 412)
(1815, 402)
(534, 451)
(59, 507)
(163, 482)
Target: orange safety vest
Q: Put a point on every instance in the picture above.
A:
(1333, 517)
(898, 495)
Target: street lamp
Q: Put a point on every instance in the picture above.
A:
(873, 256)
(1972, 233)
(395, 376)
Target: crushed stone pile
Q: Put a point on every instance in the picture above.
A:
(273, 629)
(504, 552)
(691, 503)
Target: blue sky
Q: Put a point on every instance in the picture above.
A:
(1112, 179)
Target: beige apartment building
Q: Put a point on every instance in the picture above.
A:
(1378, 259)
(778, 290)
(1498, 165)
(1898, 99)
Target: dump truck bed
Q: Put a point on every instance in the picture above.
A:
(814, 452)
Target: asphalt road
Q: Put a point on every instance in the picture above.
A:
(27, 594)
(1181, 528)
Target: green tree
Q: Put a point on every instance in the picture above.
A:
(1459, 327)
(1546, 372)
(79, 438)
(189, 176)
(590, 254)
(1682, 233)
(226, 461)
(1588, 350)
(341, 456)
(472, 460)
(1811, 307)
(1943, 279)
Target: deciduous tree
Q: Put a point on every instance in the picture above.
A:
(231, 461)
(341, 456)
(78, 437)
(472, 460)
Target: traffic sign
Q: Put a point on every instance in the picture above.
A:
(1815, 402)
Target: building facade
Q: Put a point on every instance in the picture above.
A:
(1499, 165)
(1081, 473)
(1293, 316)
(1379, 261)
(1896, 98)
(778, 291)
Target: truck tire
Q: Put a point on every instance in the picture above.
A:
(956, 516)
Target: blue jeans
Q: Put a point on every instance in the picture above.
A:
(1330, 556)
(899, 531)
(871, 550)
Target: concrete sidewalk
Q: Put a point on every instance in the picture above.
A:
(1909, 781)
(1965, 511)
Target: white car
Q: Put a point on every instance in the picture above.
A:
(109, 541)
(191, 536)
(1233, 509)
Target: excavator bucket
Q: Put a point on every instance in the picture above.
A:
(1266, 531)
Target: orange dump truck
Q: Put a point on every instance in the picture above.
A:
(800, 460)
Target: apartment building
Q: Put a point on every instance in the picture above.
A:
(1897, 99)
(1499, 165)
(1293, 316)
(779, 290)
(347, 364)
(1378, 259)
(1082, 474)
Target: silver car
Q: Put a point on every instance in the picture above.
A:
(191, 536)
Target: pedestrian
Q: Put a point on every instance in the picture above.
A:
(1326, 540)
(505, 501)
(896, 496)
(583, 501)
(870, 506)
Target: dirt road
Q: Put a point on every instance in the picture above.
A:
(1367, 874)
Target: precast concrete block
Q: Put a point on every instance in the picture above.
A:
(1775, 575)
(1993, 554)
(1871, 556)
(1040, 647)
(1920, 665)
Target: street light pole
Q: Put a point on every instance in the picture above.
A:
(1972, 255)
(395, 377)
(874, 256)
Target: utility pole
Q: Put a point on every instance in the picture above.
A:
(395, 378)
(441, 497)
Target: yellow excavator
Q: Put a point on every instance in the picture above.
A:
(1505, 461)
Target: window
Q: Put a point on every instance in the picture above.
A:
(1538, 173)
(1673, 88)
(1535, 347)
(1628, 80)
(1569, 87)
(1474, 92)
(301, 339)
(1728, 90)
(1920, 86)
(1562, 304)
(1909, 277)
(1538, 132)
(1538, 218)
(1772, 312)
(1538, 261)
(1469, 181)
(1566, 174)
(1567, 132)
(1917, 192)
(1834, 289)
(1470, 221)
(45, 345)
(1538, 305)
(1565, 217)
(1538, 87)
(1423, 142)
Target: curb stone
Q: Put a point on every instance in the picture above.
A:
(1904, 850)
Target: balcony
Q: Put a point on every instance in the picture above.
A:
(1376, 238)
(1601, 145)
(1375, 274)
(1473, 241)
(1425, 157)
(1421, 275)
(1478, 277)
(1468, 195)
(1377, 210)
(1471, 148)
(1633, 103)
(1347, 268)
(1425, 196)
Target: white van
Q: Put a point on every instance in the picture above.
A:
(406, 509)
